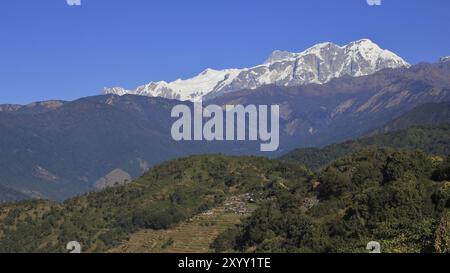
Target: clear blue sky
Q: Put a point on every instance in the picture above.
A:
(49, 50)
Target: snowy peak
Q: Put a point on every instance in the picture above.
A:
(444, 59)
(372, 53)
(279, 55)
(115, 90)
(319, 49)
(364, 47)
(318, 64)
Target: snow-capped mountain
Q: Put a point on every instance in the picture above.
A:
(191, 89)
(318, 64)
(444, 59)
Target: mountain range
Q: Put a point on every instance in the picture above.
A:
(327, 94)
(59, 149)
(364, 153)
(347, 107)
(318, 64)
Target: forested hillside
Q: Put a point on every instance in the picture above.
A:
(171, 193)
(428, 114)
(399, 198)
(432, 140)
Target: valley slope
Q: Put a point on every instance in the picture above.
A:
(426, 128)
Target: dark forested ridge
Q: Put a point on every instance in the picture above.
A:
(432, 140)
(426, 128)
(56, 150)
(428, 114)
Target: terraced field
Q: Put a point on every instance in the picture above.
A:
(193, 236)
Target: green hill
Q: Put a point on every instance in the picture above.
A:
(431, 140)
(167, 195)
(400, 199)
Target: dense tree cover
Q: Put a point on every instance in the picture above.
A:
(432, 140)
(375, 194)
(165, 196)
(442, 243)
(442, 173)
